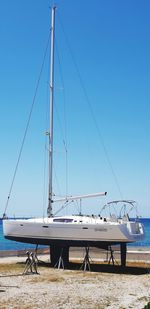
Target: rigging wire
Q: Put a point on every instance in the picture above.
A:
(67, 203)
(57, 182)
(91, 109)
(26, 128)
(44, 179)
(45, 182)
(66, 152)
(65, 118)
(45, 157)
(47, 146)
(61, 129)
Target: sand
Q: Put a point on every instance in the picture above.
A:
(105, 286)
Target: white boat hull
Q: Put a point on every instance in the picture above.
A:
(94, 233)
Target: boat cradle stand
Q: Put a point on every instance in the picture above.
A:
(86, 262)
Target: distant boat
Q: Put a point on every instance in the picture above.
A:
(61, 232)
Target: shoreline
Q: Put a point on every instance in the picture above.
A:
(134, 254)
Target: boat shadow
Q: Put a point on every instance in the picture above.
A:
(103, 268)
(93, 267)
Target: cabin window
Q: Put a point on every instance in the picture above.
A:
(65, 220)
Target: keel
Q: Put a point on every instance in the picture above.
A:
(57, 252)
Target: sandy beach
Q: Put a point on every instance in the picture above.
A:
(102, 287)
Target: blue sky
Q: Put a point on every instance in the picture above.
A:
(110, 43)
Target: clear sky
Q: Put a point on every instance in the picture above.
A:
(108, 148)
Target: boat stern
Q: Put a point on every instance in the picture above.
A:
(136, 230)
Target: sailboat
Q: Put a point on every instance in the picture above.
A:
(62, 232)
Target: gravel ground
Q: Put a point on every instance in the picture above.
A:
(72, 289)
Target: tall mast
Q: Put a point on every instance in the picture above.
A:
(49, 209)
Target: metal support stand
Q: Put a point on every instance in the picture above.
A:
(31, 264)
(60, 263)
(28, 266)
(86, 262)
(36, 248)
(111, 259)
(106, 260)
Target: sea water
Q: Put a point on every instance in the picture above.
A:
(6, 244)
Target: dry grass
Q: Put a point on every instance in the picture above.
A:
(13, 268)
(46, 279)
(139, 264)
